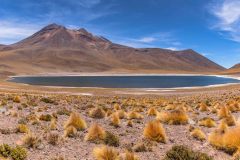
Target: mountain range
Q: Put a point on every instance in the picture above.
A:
(56, 49)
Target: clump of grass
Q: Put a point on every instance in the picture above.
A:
(53, 124)
(64, 111)
(181, 152)
(223, 127)
(70, 131)
(15, 153)
(22, 128)
(5, 150)
(97, 112)
(134, 115)
(18, 153)
(152, 111)
(230, 120)
(234, 107)
(129, 123)
(155, 132)
(207, 122)
(175, 117)
(95, 133)
(198, 134)
(31, 141)
(115, 120)
(117, 106)
(223, 112)
(213, 110)
(105, 153)
(111, 139)
(121, 114)
(129, 156)
(76, 121)
(45, 117)
(109, 112)
(227, 139)
(203, 107)
(47, 100)
(231, 140)
(170, 107)
(17, 99)
(53, 138)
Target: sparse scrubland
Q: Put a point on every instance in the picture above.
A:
(69, 127)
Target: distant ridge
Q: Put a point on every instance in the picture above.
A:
(56, 49)
(233, 70)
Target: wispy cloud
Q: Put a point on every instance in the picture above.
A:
(36, 14)
(151, 41)
(172, 48)
(13, 31)
(147, 39)
(227, 13)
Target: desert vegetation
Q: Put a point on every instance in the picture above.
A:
(63, 127)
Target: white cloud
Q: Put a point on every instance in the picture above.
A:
(154, 40)
(147, 39)
(228, 14)
(172, 48)
(12, 31)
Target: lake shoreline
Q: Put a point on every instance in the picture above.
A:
(127, 75)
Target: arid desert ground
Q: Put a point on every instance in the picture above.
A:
(50, 123)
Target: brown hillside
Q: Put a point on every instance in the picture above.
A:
(56, 49)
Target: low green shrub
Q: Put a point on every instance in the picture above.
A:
(111, 139)
(15, 153)
(180, 152)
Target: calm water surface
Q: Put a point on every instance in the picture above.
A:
(125, 81)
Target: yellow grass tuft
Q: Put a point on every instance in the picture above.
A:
(223, 112)
(222, 127)
(170, 107)
(216, 137)
(203, 107)
(117, 106)
(129, 123)
(175, 117)
(134, 115)
(231, 140)
(53, 124)
(234, 107)
(152, 111)
(109, 112)
(30, 140)
(17, 99)
(105, 153)
(207, 122)
(76, 121)
(213, 110)
(70, 131)
(97, 112)
(22, 128)
(129, 156)
(115, 121)
(95, 133)
(230, 120)
(121, 114)
(155, 132)
(198, 134)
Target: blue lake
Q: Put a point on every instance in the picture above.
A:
(125, 81)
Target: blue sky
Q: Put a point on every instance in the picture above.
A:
(211, 27)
